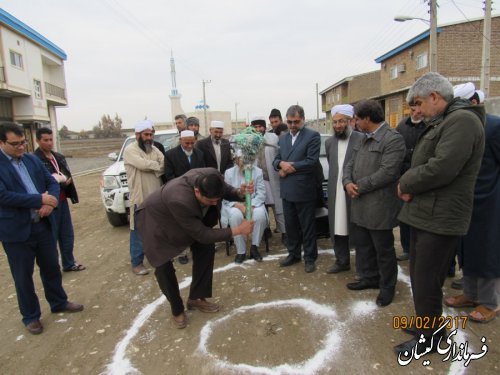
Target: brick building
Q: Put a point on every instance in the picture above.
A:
(459, 58)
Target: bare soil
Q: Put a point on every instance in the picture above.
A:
(273, 320)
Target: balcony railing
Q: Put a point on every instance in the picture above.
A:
(55, 91)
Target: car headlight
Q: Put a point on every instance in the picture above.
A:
(110, 182)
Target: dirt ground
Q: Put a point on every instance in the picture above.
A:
(273, 320)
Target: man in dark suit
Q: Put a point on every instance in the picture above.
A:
(370, 178)
(216, 150)
(339, 150)
(182, 158)
(179, 160)
(181, 214)
(28, 194)
(296, 162)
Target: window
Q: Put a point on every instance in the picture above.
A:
(421, 61)
(37, 86)
(16, 59)
(394, 72)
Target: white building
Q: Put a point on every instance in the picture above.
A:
(32, 80)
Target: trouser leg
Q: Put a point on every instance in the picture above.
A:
(488, 292)
(65, 236)
(203, 270)
(366, 258)
(235, 219)
(167, 281)
(294, 234)
(341, 249)
(404, 235)
(136, 249)
(306, 212)
(260, 219)
(383, 241)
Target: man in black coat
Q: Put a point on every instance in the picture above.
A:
(216, 150)
(58, 167)
(183, 157)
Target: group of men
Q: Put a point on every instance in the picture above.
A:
(422, 176)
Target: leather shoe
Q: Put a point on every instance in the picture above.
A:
(140, 270)
(183, 259)
(362, 284)
(403, 256)
(406, 348)
(337, 267)
(310, 267)
(202, 305)
(385, 297)
(239, 258)
(254, 253)
(289, 260)
(71, 307)
(180, 321)
(35, 327)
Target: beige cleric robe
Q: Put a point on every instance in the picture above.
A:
(143, 174)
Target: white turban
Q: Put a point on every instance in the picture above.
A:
(187, 133)
(464, 91)
(343, 109)
(217, 124)
(143, 125)
(481, 95)
(258, 118)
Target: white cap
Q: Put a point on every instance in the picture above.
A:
(143, 125)
(238, 153)
(464, 91)
(187, 133)
(481, 95)
(217, 124)
(258, 118)
(343, 109)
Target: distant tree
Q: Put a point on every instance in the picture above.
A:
(64, 132)
(83, 134)
(108, 127)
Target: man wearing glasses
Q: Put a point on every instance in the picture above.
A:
(28, 195)
(296, 162)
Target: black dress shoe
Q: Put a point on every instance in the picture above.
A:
(289, 260)
(239, 258)
(310, 267)
(362, 284)
(385, 297)
(35, 327)
(183, 259)
(254, 253)
(336, 268)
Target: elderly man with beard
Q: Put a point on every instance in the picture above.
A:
(144, 164)
(339, 150)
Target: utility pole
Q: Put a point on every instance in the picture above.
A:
(433, 35)
(485, 62)
(205, 106)
(236, 112)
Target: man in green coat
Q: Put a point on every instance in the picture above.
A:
(438, 193)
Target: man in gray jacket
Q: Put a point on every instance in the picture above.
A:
(438, 192)
(370, 179)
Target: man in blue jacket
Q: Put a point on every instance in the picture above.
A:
(296, 162)
(27, 197)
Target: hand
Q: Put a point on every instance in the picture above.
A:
(45, 210)
(352, 190)
(241, 207)
(404, 196)
(245, 228)
(282, 173)
(49, 199)
(287, 167)
(68, 181)
(247, 188)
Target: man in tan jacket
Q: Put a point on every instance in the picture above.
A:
(144, 164)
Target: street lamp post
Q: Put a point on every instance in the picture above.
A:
(236, 113)
(204, 82)
(432, 33)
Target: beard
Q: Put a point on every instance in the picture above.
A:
(188, 153)
(146, 146)
(342, 134)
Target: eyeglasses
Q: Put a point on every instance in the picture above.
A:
(294, 122)
(342, 121)
(17, 144)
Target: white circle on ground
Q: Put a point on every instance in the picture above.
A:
(323, 355)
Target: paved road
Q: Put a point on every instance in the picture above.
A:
(78, 165)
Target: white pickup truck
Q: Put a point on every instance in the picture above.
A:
(114, 186)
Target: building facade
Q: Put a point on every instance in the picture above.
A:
(32, 79)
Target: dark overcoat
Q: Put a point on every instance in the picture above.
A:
(176, 162)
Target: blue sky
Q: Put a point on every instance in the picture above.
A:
(261, 53)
